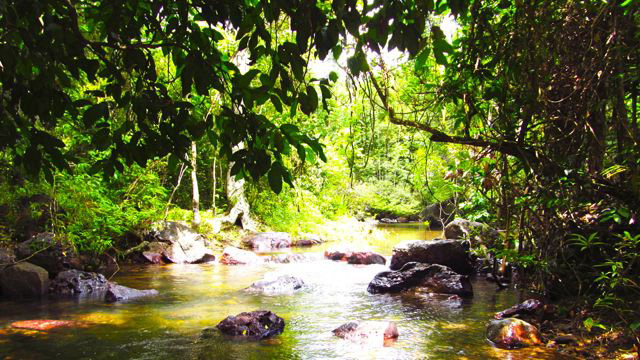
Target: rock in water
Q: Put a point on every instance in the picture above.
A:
(294, 258)
(308, 240)
(256, 325)
(267, 241)
(186, 246)
(24, 280)
(366, 258)
(117, 292)
(284, 284)
(527, 307)
(433, 278)
(451, 253)
(44, 325)
(78, 283)
(235, 256)
(155, 252)
(477, 233)
(512, 333)
(43, 250)
(367, 332)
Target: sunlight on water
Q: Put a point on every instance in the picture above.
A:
(194, 297)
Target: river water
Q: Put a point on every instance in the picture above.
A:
(195, 297)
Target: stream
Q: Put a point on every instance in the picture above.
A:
(194, 297)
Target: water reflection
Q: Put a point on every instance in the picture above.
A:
(195, 297)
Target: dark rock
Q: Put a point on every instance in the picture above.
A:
(43, 250)
(235, 256)
(78, 283)
(366, 258)
(528, 307)
(177, 243)
(338, 253)
(477, 233)
(451, 253)
(367, 332)
(565, 339)
(284, 284)
(308, 240)
(24, 280)
(512, 333)
(432, 278)
(267, 241)
(257, 325)
(117, 292)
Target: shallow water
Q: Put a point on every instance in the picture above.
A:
(194, 297)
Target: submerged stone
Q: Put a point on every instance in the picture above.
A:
(366, 258)
(260, 324)
(367, 332)
(44, 325)
(284, 284)
(117, 292)
(235, 256)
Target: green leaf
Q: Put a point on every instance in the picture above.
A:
(421, 59)
(333, 76)
(275, 100)
(275, 178)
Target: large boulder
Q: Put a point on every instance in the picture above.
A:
(431, 278)
(78, 283)
(256, 325)
(117, 292)
(440, 214)
(451, 253)
(177, 243)
(235, 256)
(267, 241)
(283, 284)
(367, 332)
(24, 280)
(477, 233)
(512, 333)
(45, 251)
(366, 258)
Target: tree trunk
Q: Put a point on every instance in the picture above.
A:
(213, 187)
(194, 181)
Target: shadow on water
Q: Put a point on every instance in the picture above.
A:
(195, 297)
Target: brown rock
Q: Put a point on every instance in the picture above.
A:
(235, 256)
(24, 280)
(512, 333)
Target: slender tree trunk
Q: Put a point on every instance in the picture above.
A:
(194, 181)
(213, 187)
(180, 175)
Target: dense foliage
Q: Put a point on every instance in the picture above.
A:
(521, 113)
